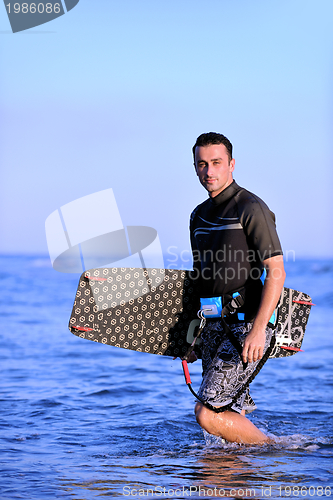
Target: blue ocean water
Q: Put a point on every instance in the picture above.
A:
(81, 420)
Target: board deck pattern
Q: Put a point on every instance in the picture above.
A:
(150, 310)
(292, 318)
(147, 310)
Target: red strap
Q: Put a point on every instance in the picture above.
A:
(304, 302)
(94, 278)
(290, 348)
(83, 328)
(186, 372)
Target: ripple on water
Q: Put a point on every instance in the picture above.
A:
(81, 420)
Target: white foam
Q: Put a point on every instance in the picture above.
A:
(292, 442)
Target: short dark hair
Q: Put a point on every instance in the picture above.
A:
(213, 138)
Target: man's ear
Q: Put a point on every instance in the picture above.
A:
(232, 165)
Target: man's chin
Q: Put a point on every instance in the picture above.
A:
(213, 191)
(209, 187)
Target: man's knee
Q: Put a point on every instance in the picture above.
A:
(202, 415)
(207, 418)
(197, 408)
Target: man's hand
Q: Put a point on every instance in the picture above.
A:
(254, 344)
(255, 341)
(192, 357)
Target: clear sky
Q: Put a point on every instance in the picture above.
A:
(114, 93)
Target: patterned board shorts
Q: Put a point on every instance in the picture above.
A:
(223, 372)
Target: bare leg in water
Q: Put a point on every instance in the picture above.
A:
(229, 425)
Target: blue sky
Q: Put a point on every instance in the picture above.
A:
(114, 93)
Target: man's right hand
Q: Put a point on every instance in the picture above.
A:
(192, 357)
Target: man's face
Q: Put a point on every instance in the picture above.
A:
(213, 168)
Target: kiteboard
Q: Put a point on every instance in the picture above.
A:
(155, 311)
(292, 315)
(147, 310)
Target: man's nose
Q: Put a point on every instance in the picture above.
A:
(210, 171)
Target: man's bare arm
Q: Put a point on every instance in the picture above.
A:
(255, 341)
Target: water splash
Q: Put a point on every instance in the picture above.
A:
(292, 442)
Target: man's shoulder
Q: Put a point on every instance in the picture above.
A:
(199, 207)
(248, 201)
(253, 212)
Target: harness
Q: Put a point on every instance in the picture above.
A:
(292, 312)
(212, 308)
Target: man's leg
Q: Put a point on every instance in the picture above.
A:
(229, 425)
(223, 369)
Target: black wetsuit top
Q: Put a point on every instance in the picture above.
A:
(231, 234)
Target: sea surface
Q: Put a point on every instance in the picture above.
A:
(81, 420)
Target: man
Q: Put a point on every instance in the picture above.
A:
(233, 239)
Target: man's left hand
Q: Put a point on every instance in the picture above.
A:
(254, 344)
